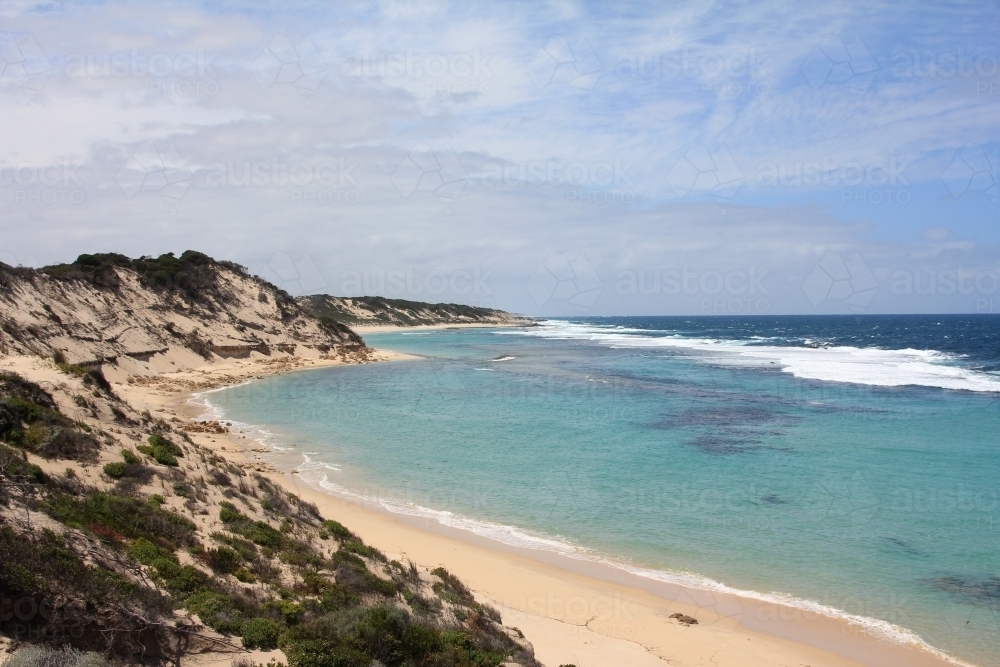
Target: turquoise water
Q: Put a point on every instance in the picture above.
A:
(737, 454)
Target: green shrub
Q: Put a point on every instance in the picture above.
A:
(130, 457)
(228, 513)
(323, 653)
(146, 552)
(257, 532)
(128, 516)
(451, 589)
(180, 578)
(43, 656)
(158, 441)
(467, 652)
(361, 549)
(338, 530)
(115, 470)
(223, 559)
(264, 535)
(337, 597)
(246, 549)
(162, 451)
(30, 419)
(71, 369)
(217, 611)
(18, 467)
(245, 575)
(262, 634)
(164, 458)
(289, 611)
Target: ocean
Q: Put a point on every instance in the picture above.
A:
(846, 465)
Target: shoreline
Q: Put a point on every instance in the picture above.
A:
(398, 328)
(600, 612)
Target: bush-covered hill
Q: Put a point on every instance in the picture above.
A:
(138, 544)
(370, 310)
(108, 308)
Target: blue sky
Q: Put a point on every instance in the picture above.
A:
(561, 158)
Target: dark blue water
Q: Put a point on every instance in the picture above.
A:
(849, 464)
(975, 337)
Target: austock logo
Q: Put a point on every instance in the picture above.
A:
(836, 62)
(283, 61)
(427, 170)
(833, 279)
(297, 277)
(35, 619)
(22, 62)
(557, 62)
(153, 171)
(706, 172)
(974, 169)
(561, 279)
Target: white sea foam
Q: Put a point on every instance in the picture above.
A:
(868, 366)
(213, 412)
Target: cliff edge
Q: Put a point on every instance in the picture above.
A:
(153, 314)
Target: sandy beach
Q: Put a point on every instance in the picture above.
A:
(573, 611)
(390, 328)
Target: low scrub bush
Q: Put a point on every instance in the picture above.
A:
(223, 559)
(451, 589)
(130, 517)
(257, 532)
(12, 464)
(29, 419)
(162, 450)
(262, 633)
(44, 656)
(217, 611)
(115, 470)
(338, 530)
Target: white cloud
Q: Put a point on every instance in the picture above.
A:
(460, 83)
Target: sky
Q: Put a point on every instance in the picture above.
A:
(555, 159)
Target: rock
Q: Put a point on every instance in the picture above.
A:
(684, 619)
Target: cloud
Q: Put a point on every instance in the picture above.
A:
(297, 135)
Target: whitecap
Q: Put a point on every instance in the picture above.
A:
(868, 366)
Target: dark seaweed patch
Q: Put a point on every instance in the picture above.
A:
(773, 499)
(730, 429)
(904, 546)
(729, 416)
(725, 443)
(980, 593)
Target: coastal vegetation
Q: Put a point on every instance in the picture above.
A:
(174, 550)
(377, 310)
(101, 308)
(123, 541)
